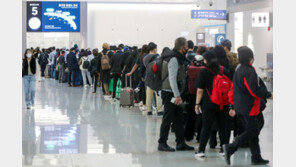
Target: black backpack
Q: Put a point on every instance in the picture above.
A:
(85, 64)
(154, 73)
(43, 59)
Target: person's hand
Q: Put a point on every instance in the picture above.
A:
(197, 109)
(271, 96)
(178, 100)
(232, 112)
(128, 74)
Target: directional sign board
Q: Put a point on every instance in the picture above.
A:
(219, 38)
(209, 14)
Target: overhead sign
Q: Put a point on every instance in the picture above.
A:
(260, 19)
(209, 14)
(53, 16)
(219, 38)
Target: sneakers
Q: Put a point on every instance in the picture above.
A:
(143, 108)
(260, 161)
(227, 154)
(184, 147)
(28, 107)
(165, 147)
(221, 152)
(149, 113)
(91, 85)
(160, 113)
(200, 154)
(85, 86)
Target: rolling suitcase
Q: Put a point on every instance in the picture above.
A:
(127, 94)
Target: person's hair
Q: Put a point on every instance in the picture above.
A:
(25, 54)
(63, 52)
(221, 55)
(95, 52)
(43, 50)
(195, 49)
(152, 46)
(245, 55)
(120, 46)
(72, 49)
(212, 63)
(201, 50)
(53, 48)
(190, 44)
(105, 46)
(179, 43)
(210, 48)
(227, 43)
(165, 49)
(144, 49)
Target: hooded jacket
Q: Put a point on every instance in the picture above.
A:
(248, 91)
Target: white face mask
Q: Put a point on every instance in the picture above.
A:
(29, 55)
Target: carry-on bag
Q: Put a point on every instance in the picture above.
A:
(127, 94)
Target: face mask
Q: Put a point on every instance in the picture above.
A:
(29, 55)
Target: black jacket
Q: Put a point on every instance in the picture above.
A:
(25, 66)
(248, 91)
(43, 58)
(72, 61)
(115, 63)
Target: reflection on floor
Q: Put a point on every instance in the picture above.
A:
(73, 127)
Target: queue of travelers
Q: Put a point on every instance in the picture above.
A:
(199, 91)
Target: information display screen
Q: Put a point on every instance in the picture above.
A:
(53, 16)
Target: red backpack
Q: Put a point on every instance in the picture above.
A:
(221, 87)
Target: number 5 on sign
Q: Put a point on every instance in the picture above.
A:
(34, 10)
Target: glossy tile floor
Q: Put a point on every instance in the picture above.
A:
(73, 127)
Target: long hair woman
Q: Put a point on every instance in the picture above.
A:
(210, 111)
(28, 74)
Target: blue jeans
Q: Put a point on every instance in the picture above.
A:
(52, 71)
(30, 89)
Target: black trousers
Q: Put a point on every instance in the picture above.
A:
(72, 72)
(96, 78)
(208, 118)
(252, 127)
(172, 114)
(115, 80)
(142, 94)
(190, 118)
(43, 67)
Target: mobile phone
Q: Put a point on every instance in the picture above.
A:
(173, 100)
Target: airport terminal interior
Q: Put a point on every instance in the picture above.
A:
(73, 126)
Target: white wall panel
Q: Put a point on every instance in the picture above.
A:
(137, 24)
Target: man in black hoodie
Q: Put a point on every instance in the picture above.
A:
(115, 63)
(246, 96)
(173, 85)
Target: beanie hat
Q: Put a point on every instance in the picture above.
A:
(245, 54)
(75, 46)
(198, 58)
(226, 43)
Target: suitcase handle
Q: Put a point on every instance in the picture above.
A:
(130, 78)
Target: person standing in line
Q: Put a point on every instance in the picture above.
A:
(136, 70)
(43, 61)
(116, 68)
(149, 92)
(52, 55)
(84, 71)
(172, 88)
(95, 69)
(28, 74)
(246, 96)
(73, 66)
(191, 54)
(232, 57)
(105, 56)
(62, 66)
(210, 110)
